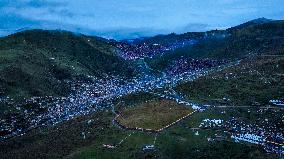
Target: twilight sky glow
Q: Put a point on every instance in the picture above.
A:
(133, 18)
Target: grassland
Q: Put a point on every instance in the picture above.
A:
(65, 138)
(180, 141)
(153, 115)
(258, 79)
(130, 100)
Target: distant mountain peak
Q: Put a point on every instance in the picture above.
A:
(253, 22)
(261, 20)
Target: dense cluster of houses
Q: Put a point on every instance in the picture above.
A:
(252, 138)
(211, 123)
(137, 51)
(92, 95)
(269, 134)
(132, 50)
(86, 97)
(277, 102)
(184, 64)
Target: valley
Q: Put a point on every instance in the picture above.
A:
(77, 96)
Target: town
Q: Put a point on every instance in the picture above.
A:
(136, 51)
(98, 93)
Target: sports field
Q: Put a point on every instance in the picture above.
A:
(153, 115)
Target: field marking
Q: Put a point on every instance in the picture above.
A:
(121, 141)
(155, 138)
(124, 139)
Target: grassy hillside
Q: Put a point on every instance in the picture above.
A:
(259, 79)
(36, 62)
(252, 38)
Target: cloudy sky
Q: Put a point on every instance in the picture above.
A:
(133, 18)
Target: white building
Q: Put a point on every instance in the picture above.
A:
(251, 138)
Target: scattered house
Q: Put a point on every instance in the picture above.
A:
(277, 102)
(148, 148)
(196, 107)
(196, 133)
(219, 138)
(108, 146)
(226, 99)
(209, 139)
(256, 104)
(90, 121)
(84, 135)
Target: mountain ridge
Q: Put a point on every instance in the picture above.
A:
(37, 62)
(43, 59)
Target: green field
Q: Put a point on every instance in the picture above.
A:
(153, 115)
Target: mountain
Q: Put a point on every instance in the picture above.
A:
(259, 36)
(252, 22)
(38, 62)
(166, 39)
